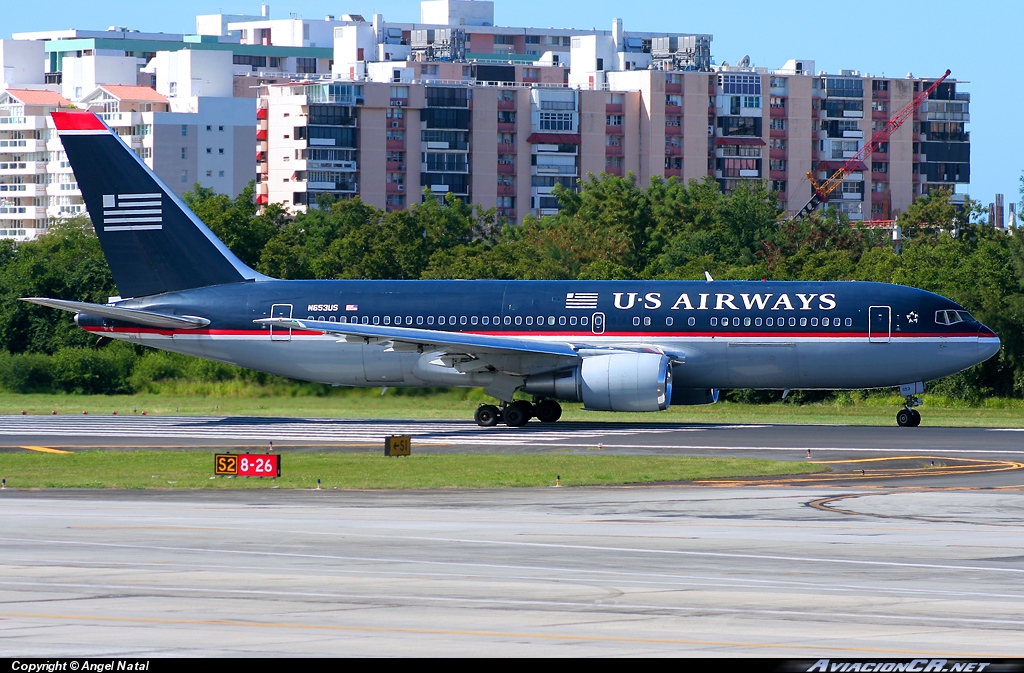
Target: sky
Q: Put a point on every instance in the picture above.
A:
(977, 40)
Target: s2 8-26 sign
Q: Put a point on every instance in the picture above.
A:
(246, 465)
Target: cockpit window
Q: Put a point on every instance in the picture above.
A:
(953, 317)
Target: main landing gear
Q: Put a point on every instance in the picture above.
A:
(909, 417)
(517, 414)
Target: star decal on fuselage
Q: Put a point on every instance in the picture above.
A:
(912, 317)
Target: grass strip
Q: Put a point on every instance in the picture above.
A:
(194, 469)
(451, 406)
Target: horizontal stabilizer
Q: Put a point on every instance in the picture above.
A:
(147, 318)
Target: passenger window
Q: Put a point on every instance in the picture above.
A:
(451, 320)
(440, 320)
(332, 319)
(343, 319)
(735, 322)
(714, 322)
(636, 322)
(746, 322)
(508, 320)
(473, 320)
(320, 318)
(376, 320)
(691, 322)
(551, 320)
(769, 321)
(803, 322)
(408, 320)
(387, 320)
(529, 320)
(561, 320)
(540, 320)
(309, 317)
(792, 322)
(814, 322)
(365, 320)
(497, 320)
(647, 322)
(583, 320)
(462, 320)
(668, 322)
(757, 322)
(398, 320)
(824, 322)
(419, 320)
(430, 320)
(572, 320)
(519, 320)
(485, 320)
(849, 322)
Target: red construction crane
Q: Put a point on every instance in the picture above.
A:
(821, 191)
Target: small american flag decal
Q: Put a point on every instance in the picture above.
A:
(132, 212)
(581, 300)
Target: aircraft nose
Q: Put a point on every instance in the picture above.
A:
(988, 343)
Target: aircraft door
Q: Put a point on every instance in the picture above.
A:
(879, 324)
(597, 323)
(280, 333)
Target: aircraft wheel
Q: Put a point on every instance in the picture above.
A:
(915, 418)
(548, 411)
(487, 415)
(904, 418)
(518, 413)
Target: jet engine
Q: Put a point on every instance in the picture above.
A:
(616, 382)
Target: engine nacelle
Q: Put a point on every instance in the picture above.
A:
(615, 382)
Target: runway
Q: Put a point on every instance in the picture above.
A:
(919, 556)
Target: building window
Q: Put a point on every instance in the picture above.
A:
(752, 102)
(184, 130)
(777, 164)
(184, 153)
(557, 121)
(778, 185)
(613, 120)
(305, 65)
(209, 150)
(531, 73)
(184, 177)
(777, 102)
(777, 124)
(673, 120)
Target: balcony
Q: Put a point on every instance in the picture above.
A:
(22, 212)
(777, 112)
(506, 127)
(775, 153)
(673, 109)
(554, 170)
(393, 166)
(506, 104)
(394, 145)
(21, 191)
(22, 123)
(614, 151)
(394, 188)
(613, 170)
(506, 190)
(613, 108)
(22, 145)
(53, 77)
(673, 131)
(506, 169)
(777, 133)
(22, 167)
(671, 87)
(115, 119)
(673, 151)
(262, 113)
(776, 175)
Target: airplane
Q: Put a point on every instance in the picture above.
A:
(612, 345)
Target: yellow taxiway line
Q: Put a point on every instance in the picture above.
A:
(42, 449)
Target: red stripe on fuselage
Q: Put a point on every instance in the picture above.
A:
(582, 336)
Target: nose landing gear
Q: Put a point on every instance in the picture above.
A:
(909, 417)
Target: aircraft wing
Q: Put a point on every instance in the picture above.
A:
(129, 315)
(477, 345)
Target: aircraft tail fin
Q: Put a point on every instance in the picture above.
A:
(152, 241)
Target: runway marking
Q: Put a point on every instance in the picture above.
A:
(972, 466)
(486, 634)
(545, 545)
(42, 449)
(824, 505)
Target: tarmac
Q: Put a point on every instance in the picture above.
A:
(912, 546)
